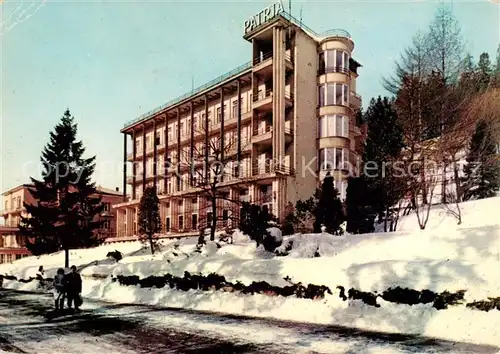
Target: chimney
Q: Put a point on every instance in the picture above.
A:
(117, 189)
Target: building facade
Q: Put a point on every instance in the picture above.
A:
(280, 121)
(12, 244)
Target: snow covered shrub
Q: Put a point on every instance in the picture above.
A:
(255, 222)
(408, 296)
(285, 247)
(367, 297)
(485, 305)
(446, 298)
(116, 255)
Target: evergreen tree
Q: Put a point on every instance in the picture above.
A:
(149, 218)
(496, 73)
(67, 209)
(329, 211)
(482, 172)
(360, 217)
(383, 145)
(254, 222)
(485, 71)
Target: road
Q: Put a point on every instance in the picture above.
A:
(115, 328)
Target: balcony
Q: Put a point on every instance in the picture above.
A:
(264, 64)
(333, 69)
(261, 167)
(263, 100)
(268, 166)
(356, 100)
(263, 134)
(138, 178)
(288, 61)
(288, 99)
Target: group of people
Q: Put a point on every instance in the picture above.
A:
(67, 286)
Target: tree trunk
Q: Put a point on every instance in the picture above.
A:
(66, 258)
(150, 236)
(386, 216)
(214, 220)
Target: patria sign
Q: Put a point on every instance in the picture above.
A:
(263, 16)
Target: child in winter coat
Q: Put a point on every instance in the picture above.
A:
(59, 289)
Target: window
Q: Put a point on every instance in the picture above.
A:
(105, 207)
(333, 94)
(333, 158)
(170, 137)
(167, 224)
(181, 222)
(137, 145)
(225, 217)
(334, 60)
(181, 129)
(218, 115)
(321, 95)
(194, 201)
(209, 218)
(6, 205)
(158, 138)
(235, 109)
(201, 124)
(105, 225)
(194, 221)
(322, 63)
(18, 202)
(333, 125)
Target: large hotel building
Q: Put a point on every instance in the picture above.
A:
(280, 120)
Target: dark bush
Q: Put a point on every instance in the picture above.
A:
(128, 280)
(427, 296)
(446, 298)
(152, 281)
(366, 297)
(342, 293)
(26, 280)
(116, 255)
(406, 296)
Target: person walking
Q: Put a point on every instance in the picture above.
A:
(59, 288)
(74, 288)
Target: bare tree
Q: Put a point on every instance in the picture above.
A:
(213, 169)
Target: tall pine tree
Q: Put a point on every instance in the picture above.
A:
(149, 218)
(482, 171)
(66, 213)
(383, 147)
(485, 71)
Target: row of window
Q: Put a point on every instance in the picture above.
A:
(333, 94)
(333, 125)
(5, 258)
(333, 60)
(159, 140)
(13, 201)
(333, 159)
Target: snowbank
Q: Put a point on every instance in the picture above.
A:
(475, 213)
(443, 257)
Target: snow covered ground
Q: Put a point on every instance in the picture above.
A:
(107, 328)
(442, 257)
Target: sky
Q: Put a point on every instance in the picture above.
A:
(111, 61)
